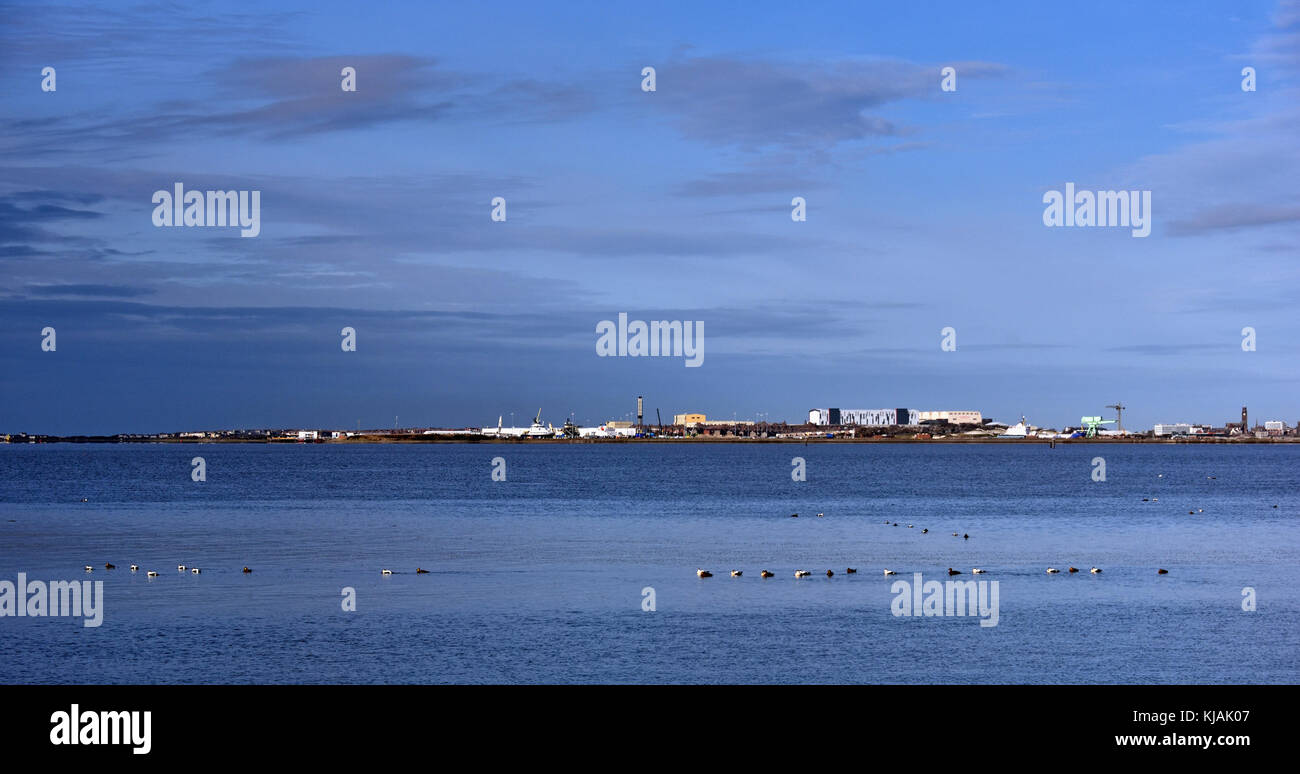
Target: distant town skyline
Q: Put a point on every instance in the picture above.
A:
(925, 212)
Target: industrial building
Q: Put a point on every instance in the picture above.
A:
(863, 417)
(888, 417)
(688, 419)
(952, 417)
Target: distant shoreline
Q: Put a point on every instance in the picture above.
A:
(445, 439)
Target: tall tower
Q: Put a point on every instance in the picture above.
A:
(1245, 426)
(639, 410)
(1119, 414)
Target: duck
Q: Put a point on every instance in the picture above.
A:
(85, 499)
(1146, 499)
(110, 566)
(801, 573)
(152, 574)
(736, 573)
(955, 534)
(180, 568)
(765, 574)
(1074, 569)
(194, 570)
(385, 572)
(830, 573)
(965, 537)
(421, 571)
(951, 571)
(1095, 571)
(850, 570)
(895, 524)
(924, 531)
(89, 568)
(890, 572)
(1162, 572)
(820, 515)
(909, 526)
(1191, 513)
(246, 570)
(135, 567)
(704, 573)
(1051, 570)
(978, 571)
(794, 515)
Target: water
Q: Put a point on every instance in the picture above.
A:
(540, 578)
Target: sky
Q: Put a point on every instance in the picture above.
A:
(924, 211)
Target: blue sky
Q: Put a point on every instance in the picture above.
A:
(924, 211)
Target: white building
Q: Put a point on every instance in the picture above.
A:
(1177, 428)
(1274, 424)
(863, 417)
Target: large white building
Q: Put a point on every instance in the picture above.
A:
(1176, 428)
(887, 417)
(862, 417)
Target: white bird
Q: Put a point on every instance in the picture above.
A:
(89, 568)
(194, 570)
(180, 568)
(135, 567)
(977, 571)
(152, 574)
(820, 515)
(387, 572)
(1095, 570)
(1052, 569)
(735, 573)
(890, 572)
(801, 573)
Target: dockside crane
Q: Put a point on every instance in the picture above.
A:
(1119, 414)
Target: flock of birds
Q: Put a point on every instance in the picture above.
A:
(700, 572)
(740, 573)
(196, 570)
(154, 573)
(852, 570)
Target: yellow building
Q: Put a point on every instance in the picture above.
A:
(688, 419)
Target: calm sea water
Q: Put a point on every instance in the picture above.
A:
(540, 578)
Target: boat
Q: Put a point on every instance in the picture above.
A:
(1018, 431)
